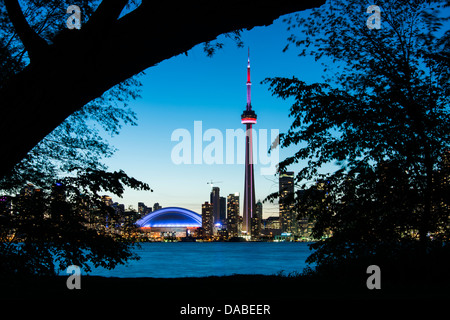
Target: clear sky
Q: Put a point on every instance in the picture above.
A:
(184, 89)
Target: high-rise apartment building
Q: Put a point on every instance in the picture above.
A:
(233, 215)
(286, 203)
(156, 206)
(223, 211)
(256, 220)
(207, 219)
(215, 202)
(143, 209)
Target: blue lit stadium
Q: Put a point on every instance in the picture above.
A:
(170, 220)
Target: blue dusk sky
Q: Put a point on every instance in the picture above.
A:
(184, 89)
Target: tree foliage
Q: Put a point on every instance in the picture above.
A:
(77, 142)
(117, 40)
(381, 115)
(41, 233)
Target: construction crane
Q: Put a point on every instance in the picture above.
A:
(213, 182)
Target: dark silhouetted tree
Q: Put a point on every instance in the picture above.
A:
(43, 231)
(381, 115)
(67, 154)
(59, 70)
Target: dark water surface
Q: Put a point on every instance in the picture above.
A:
(200, 259)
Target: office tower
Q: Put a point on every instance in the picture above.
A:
(141, 208)
(248, 118)
(223, 211)
(256, 220)
(207, 218)
(156, 206)
(233, 215)
(286, 202)
(215, 202)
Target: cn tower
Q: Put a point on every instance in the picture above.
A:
(248, 118)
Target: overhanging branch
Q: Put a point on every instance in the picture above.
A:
(80, 66)
(34, 44)
(107, 13)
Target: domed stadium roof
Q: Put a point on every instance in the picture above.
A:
(170, 217)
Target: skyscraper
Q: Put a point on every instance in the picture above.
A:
(141, 207)
(156, 206)
(286, 204)
(215, 202)
(207, 219)
(248, 118)
(256, 220)
(223, 211)
(233, 215)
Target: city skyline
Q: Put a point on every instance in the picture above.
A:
(126, 173)
(194, 87)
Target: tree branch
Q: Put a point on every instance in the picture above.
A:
(107, 13)
(80, 66)
(34, 44)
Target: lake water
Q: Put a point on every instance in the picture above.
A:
(200, 259)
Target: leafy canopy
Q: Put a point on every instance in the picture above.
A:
(41, 232)
(381, 115)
